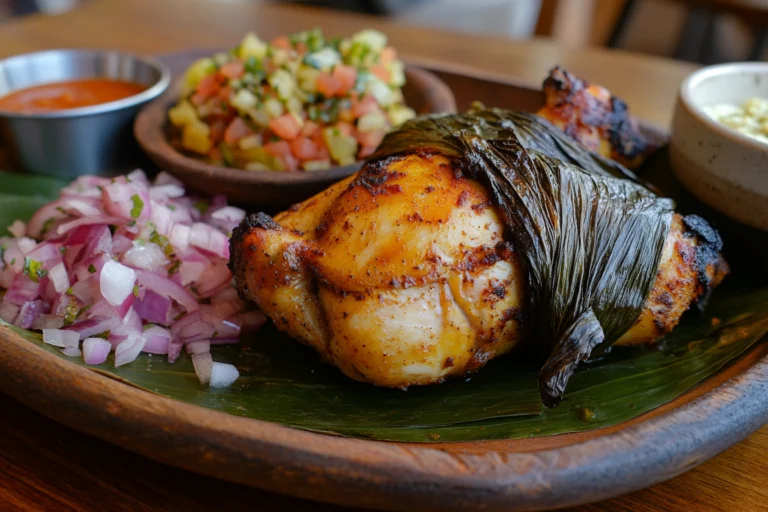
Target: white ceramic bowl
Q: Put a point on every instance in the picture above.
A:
(722, 167)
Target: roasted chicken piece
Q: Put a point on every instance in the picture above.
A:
(401, 275)
(591, 115)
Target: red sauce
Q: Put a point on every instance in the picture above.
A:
(66, 95)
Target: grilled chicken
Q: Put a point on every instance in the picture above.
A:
(591, 115)
(404, 277)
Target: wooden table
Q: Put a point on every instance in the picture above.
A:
(44, 466)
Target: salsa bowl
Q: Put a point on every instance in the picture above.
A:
(93, 139)
(424, 92)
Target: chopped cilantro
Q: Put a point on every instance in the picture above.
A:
(136, 290)
(138, 206)
(163, 242)
(174, 268)
(2, 250)
(253, 65)
(34, 269)
(91, 269)
(226, 154)
(131, 223)
(63, 249)
(201, 206)
(103, 335)
(171, 207)
(61, 210)
(13, 261)
(47, 226)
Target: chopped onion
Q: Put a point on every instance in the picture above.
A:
(71, 352)
(59, 278)
(61, 338)
(83, 208)
(180, 236)
(215, 277)
(174, 350)
(147, 256)
(105, 220)
(44, 253)
(121, 243)
(23, 289)
(222, 375)
(209, 239)
(153, 308)
(17, 229)
(191, 271)
(128, 350)
(43, 219)
(113, 254)
(86, 291)
(203, 364)
(157, 340)
(198, 347)
(9, 312)
(116, 282)
(48, 322)
(164, 286)
(29, 313)
(96, 350)
(166, 191)
(94, 325)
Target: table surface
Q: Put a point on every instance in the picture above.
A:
(44, 466)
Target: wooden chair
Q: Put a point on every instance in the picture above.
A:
(697, 39)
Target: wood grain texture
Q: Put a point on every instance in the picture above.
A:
(44, 466)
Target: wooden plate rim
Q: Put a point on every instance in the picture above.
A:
(379, 474)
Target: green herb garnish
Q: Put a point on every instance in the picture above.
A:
(138, 206)
(174, 268)
(201, 206)
(34, 269)
(91, 269)
(47, 226)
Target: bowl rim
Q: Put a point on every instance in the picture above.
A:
(148, 94)
(697, 77)
(177, 162)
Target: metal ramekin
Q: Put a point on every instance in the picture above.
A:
(87, 140)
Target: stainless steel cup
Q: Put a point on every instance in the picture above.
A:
(88, 140)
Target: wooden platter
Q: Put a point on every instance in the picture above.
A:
(525, 474)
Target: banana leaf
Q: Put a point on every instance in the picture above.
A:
(591, 242)
(284, 382)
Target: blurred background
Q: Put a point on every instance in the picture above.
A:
(702, 31)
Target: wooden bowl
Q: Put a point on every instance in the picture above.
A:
(423, 92)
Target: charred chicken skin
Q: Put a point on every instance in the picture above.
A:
(593, 116)
(401, 274)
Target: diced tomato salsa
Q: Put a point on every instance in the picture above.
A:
(299, 102)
